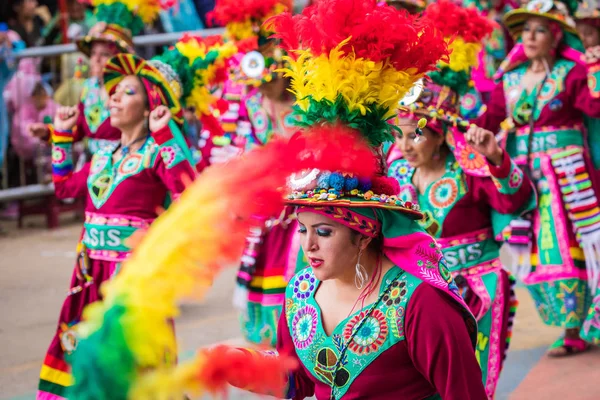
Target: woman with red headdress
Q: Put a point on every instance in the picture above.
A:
(451, 175)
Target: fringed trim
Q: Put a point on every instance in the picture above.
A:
(591, 249)
(518, 238)
(582, 207)
(513, 303)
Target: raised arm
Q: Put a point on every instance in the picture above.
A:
(67, 184)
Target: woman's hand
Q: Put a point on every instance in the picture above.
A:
(592, 55)
(484, 142)
(38, 130)
(159, 118)
(66, 118)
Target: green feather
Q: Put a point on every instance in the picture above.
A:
(457, 81)
(372, 125)
(118, 13)
(102, 365)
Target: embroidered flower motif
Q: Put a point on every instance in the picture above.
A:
(515, 179)
(59, 155)
(470, 159)
(304, 327)
(168, 154)
(396, 293)
(130, 164)
(443, 193)
(370, 336)
(400, 170)
(304, 286)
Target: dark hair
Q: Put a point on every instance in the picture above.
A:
(39, 89)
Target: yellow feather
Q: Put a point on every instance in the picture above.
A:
(362, 83)
(463, 56)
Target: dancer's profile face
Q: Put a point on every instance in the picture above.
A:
(417, 153)
(330, 247)
(590, 35)
(127, 104)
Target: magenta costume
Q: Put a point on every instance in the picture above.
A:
(121, 198)
(551, 142)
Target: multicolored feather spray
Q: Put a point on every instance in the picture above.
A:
(351, 61)
(464, 30)
(128, 336)
(133, 14)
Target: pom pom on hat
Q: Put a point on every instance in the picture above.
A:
(385, 185)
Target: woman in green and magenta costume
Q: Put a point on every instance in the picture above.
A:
(128, 183)
(265, 111)
(547, 96)
(376, 313)
(466, 186)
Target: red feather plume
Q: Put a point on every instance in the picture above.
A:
(227, 11)
(259, 372)
(453, 20)
(376, 32)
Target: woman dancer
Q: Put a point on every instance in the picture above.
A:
(447, 175)
(545, 97)
(352, 317)
(125, 184)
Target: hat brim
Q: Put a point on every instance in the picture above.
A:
(125, 64)
(84, 44)
(515, 20)
(355, 202)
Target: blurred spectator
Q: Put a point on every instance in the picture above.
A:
(204, 7)
(38, 108)
(25, 20)
(181, 18)
(80, 20)
(9, 42)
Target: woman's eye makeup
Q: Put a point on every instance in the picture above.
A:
(323, 232)
(302, 229)
(129, 91)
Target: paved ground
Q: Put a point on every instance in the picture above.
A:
(36, 266)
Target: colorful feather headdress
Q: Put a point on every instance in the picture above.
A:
(192, 66)
(351, 61)
(464, 30)
(259, 56)
(439, 99)
(120, 20)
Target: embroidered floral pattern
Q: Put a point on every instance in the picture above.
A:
(304, 326)
(471, 160)
(304, 285)
(370, 336)
(515, 179)
(59, 155)
(397, 292)
(443, 193)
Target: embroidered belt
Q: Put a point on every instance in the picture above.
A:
(546, 138)
(472, 253)
(106, 235)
